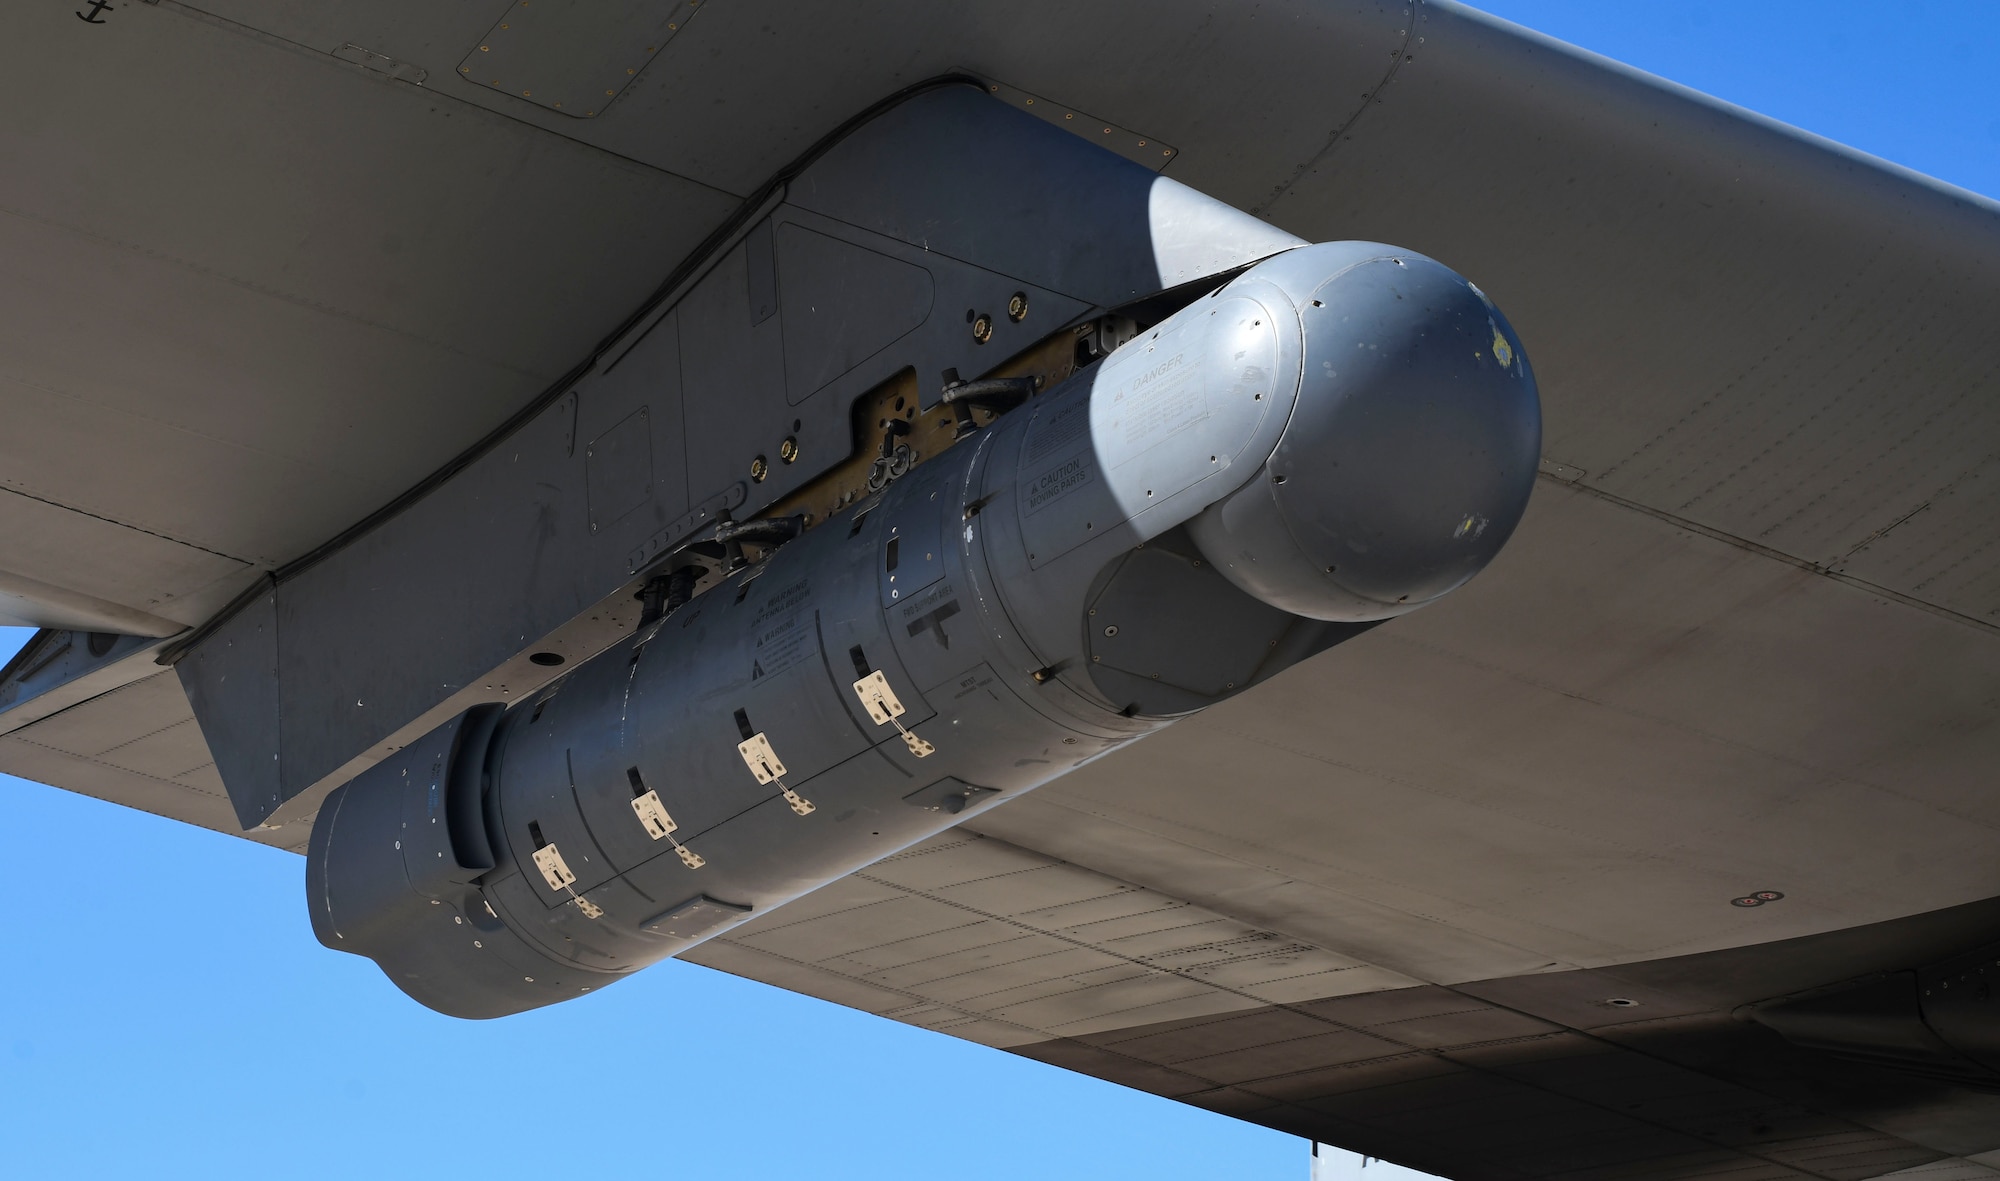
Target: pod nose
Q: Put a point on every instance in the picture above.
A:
(1409, 456)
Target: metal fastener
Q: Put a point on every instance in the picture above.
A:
(982, 329)
(759, 468)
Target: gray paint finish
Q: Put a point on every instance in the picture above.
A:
(1729, 220)
(140, 583)
(138, 745)
(1735, 323)
(1641, 1071)
(752, 683)
(532, 540)
(1578, 760)
(289, 310)
(1657, 686)
(1004, 946)
(702, 109)
(1614, 355)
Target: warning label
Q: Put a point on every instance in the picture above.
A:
(1058, 482)
(1054, 430)
(784, 643)
(1160, 403)
(783, 601)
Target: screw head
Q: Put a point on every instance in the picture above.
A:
(982, 329)
(1017, 307)
(759, 468)
(789, 449)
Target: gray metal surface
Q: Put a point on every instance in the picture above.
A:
(1007, 947)
(1737, 643)
(573, 56)
(58, 669)
(1579, 760)
(877, 261)
(1795, 365)
(137, 744)
(1331, 166)
(730, 729)
(1634, 1072)
(1403, 485)
(286, 310)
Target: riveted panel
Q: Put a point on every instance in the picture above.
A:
(573, 56)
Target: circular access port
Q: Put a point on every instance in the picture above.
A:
(545, 659)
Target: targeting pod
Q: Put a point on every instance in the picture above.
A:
(1336, 436)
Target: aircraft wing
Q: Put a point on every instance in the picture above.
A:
(1663, 848)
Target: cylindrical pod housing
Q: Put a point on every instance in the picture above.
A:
(1028, 601)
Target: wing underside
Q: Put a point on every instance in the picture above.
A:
(1746, 640)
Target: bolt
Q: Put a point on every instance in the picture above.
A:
(1017, 307)
(759, 468)
(982, 329)
(789, 449)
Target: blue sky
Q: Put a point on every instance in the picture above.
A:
(166, 1011)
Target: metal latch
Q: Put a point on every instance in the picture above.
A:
(654, 819)
(653, 815)
(883, 705)
(760, 758)
(555, 871)
(765, 765)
